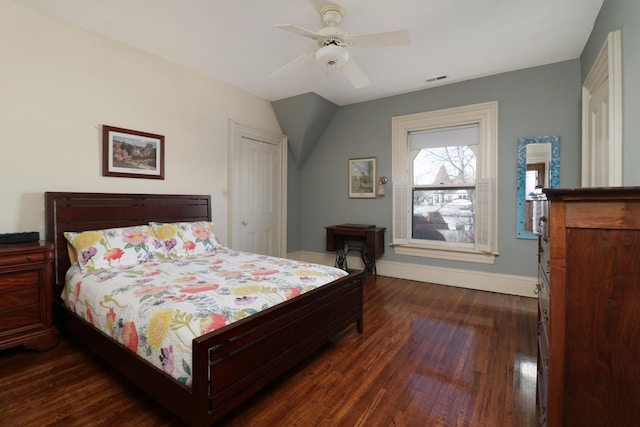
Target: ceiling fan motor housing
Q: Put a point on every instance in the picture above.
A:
(331, 14)
(334, 35)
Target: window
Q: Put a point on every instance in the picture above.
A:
(444, 174)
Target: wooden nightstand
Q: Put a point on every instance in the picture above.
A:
(25, 296)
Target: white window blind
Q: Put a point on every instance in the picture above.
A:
(444, 137)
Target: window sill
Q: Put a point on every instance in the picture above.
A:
(465, 255)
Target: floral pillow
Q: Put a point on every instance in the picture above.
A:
(98, 249)
(186, 238)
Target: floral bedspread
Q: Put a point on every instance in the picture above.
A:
(156, 309)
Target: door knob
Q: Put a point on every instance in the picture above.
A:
(244, 223)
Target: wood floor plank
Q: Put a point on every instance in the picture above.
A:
(430, 355)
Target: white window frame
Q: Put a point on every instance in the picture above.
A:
(486, 247)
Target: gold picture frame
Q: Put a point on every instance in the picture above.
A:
(363, 173)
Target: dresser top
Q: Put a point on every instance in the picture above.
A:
(593, 193)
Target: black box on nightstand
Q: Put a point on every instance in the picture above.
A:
(29, 236)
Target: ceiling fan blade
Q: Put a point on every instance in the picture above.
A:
(303, 59)
(388, 38)
(355, 74)
(300, 31)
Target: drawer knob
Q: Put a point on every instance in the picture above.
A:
(28, 257)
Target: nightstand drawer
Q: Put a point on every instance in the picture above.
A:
(9, 281)
(19, 296)
(21, 318)
(24, 258)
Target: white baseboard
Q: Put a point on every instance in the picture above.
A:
(491, 282)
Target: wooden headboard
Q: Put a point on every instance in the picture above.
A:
(95, 211)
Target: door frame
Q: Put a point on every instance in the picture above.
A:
(608, 65)
(237, 131)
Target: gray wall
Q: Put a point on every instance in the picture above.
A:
(293, 205)
(625, 15)
(537, 101)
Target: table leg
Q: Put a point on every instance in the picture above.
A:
(341, 258)
(369, 264)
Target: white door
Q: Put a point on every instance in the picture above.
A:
(260, 195)
(598, 136)
(602, 117)
(258, 205)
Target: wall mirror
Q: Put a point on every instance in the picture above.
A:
(538, 167)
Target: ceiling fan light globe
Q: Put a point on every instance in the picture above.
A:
(332, 55)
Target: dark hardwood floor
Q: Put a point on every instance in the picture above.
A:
(430, 355)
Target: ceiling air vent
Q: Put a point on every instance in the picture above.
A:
(437, 78)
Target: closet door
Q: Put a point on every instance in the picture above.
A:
(257, 191)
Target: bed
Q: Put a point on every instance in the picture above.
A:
(229, 364)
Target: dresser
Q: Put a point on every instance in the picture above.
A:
(589, 307)
(26, 296)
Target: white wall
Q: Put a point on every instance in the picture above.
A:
(60, 83)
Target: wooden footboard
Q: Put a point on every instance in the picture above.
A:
(244, 357)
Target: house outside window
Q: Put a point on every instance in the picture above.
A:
(444, 174)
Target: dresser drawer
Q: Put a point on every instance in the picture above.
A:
(543, 353)
(544, 255)
(543, 387)
(543, 303)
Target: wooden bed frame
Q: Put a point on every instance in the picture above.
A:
(230, 364)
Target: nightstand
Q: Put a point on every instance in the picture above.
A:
(26, 296)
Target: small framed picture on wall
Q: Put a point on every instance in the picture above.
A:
(363, 174)
(132, 154)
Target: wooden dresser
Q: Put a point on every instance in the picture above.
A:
(589, 308)
(26, 285)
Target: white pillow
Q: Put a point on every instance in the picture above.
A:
(186, 238)
(125, 246)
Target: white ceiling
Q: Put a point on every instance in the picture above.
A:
(235, 40)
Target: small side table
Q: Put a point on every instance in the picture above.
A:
(26, 288)
(368, 240)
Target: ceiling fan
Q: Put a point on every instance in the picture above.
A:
(333, 42)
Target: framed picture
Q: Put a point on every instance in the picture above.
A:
(132, 154)
(363, 174)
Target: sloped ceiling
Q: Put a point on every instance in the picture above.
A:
(303, 119)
